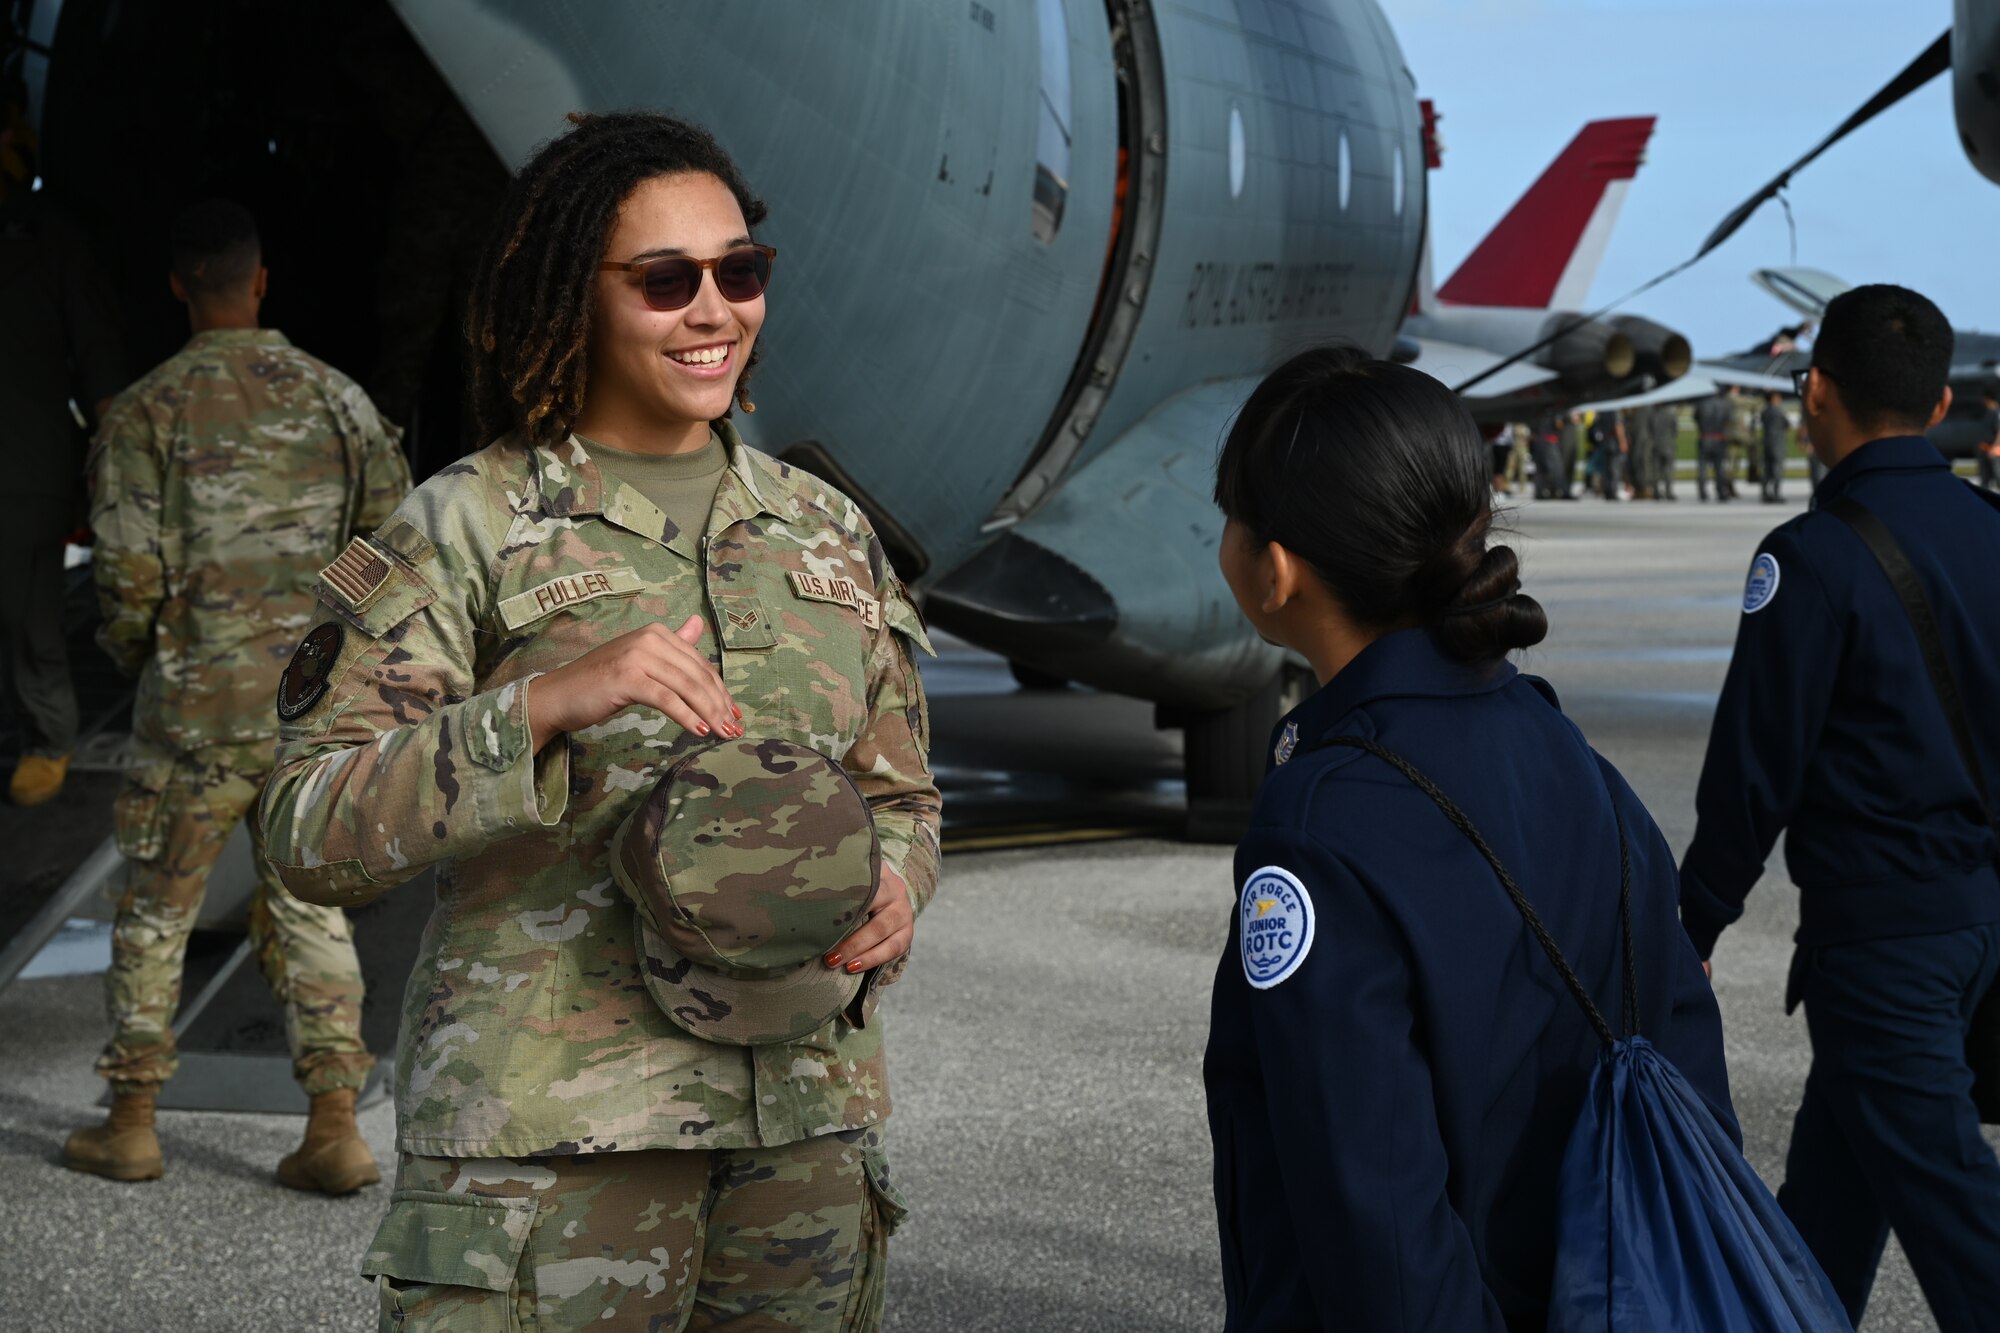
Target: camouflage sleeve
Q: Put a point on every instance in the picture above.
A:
(127, 476)
(388, 762)
(385, 472)
(890, 760)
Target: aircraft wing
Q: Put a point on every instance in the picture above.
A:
(1453, 363)
(1703, 380)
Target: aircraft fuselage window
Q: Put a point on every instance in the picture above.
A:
(1238, 152)
(1052, 125)
(1396, 184)
(1343, 169)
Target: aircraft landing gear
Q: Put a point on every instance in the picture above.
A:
(1226, 753)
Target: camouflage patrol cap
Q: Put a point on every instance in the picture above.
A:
(748, 861)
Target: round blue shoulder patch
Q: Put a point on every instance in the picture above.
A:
(1277, 921)
(1763, 584)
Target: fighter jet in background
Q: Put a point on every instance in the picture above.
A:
(1975, 355)
(1768, 364)
(1530, 276)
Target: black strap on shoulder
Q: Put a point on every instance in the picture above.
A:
(1889, 554)
(1464, 824)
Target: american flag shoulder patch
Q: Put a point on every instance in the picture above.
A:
(357, 574)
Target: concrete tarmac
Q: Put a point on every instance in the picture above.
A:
(1049, 1124)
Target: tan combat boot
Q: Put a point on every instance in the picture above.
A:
(38, 778)
(124, 1147)
(333, 1159)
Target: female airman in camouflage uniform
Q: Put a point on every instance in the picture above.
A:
(501, 675)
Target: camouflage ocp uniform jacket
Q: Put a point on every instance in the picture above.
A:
(220, 484)
(526, 1026)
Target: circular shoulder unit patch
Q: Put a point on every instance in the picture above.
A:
(1763, 583)
(1277, 921)
(305, 680)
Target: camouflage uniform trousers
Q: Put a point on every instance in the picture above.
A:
(183, 810)
(663, 1240)
(1666, 458)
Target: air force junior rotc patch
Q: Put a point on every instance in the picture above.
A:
(1277, 921)
(1288, 742)
(1763, 583)
(305, 679)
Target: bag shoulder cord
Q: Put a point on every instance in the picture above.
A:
(1630, 999)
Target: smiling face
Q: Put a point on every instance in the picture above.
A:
(659, 377)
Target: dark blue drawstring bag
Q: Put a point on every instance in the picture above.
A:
(1661, 1224)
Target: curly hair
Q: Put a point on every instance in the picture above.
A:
(528, 323)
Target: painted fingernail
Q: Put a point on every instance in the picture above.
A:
(739, 712)
(701, 728)
(854, 967)
(833, 960)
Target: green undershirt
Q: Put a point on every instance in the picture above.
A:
(681, 486)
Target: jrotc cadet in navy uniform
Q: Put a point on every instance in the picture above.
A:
(1829, 728)
(1393, 1065)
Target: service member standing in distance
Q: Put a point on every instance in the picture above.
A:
(1776, 427)
(548, 631)
(221, 482)
(1713, 416)
(1393, 1066)
(1829, 730)
(1642, 462)
(1666, 448)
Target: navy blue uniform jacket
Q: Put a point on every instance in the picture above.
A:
(1388, 1119)
(1828, 726)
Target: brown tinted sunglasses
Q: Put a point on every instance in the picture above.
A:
(671, 282)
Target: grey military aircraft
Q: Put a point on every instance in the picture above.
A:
(1035, 252)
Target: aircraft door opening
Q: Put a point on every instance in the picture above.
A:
(1132, 242)
(370, 184)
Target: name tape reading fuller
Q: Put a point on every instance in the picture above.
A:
(568, 590)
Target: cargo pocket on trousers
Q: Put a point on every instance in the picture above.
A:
(885, 1212)
(889, 1201)
(139, 815)
(449, 1262)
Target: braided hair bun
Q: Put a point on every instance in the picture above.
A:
(1491, 616)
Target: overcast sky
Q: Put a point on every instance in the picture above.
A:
(1740, 88)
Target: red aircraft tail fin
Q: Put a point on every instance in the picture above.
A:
(1545, 252)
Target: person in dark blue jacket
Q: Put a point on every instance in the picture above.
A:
(1829, 729)
(1393, 1065)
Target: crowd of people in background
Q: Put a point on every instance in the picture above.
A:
(1634, 453)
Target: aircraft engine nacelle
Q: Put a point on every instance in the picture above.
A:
(1592, 352)
(1662, 353)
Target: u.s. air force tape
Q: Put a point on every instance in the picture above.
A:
(1277, 926)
